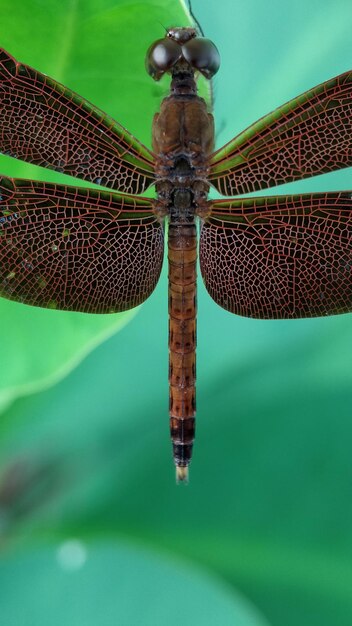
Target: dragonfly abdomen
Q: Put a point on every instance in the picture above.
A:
(182, 255)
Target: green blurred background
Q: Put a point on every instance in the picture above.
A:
(93, 529)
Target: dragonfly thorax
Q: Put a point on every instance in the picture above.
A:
(182, 209)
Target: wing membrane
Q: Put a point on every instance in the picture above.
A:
(280, 257)
(310, 135)
(43, 122)
(77, 249)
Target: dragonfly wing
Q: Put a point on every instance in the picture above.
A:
(310, 135)
(43, 122)
(77, 249)
(280, 257)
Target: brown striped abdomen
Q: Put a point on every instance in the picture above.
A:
(182, 254)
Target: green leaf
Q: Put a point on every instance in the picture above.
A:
(39, 347)
(113, 583)
(98, 50)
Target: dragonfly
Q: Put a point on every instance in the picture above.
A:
(100, 251)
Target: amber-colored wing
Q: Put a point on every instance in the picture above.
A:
(77, 249)
(310, 135)
(43, 122)
(280, 257)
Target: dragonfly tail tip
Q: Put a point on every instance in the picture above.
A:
(182, 474)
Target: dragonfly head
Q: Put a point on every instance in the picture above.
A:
(181, 46)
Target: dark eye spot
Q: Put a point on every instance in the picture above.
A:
(161, 56)
(203, 55)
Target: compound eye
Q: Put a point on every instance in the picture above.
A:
(203, 55)
(161, 56)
